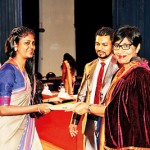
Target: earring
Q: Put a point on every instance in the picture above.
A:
(15, 49)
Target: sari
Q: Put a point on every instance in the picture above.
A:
(16, 132)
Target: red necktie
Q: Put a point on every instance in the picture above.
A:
(99, 84)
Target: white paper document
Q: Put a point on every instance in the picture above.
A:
(64, 106)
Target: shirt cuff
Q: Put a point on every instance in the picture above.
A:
(75, 119)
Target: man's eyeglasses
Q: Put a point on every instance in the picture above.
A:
(124, 46)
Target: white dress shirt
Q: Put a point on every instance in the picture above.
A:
(95, 77)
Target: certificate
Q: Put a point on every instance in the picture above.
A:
(64, 106)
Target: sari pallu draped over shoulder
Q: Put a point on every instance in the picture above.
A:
(17, 132)
(127, 119)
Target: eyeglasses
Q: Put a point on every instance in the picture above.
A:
(124, 46)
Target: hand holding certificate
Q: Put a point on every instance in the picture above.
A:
(77, 107)
(80, 108)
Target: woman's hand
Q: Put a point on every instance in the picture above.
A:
(80, 108)
(44, 108)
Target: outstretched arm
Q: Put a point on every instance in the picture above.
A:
(82, 108)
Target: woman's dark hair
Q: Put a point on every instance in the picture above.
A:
(132, 33)
(71, 61)
(15, 35)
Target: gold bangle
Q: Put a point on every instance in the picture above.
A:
(89, 108)
(38, 106)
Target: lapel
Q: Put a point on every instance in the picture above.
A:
(111, 70)
(85, 87)
(91, 69)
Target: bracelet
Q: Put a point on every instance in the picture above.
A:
(38, 106)
(89, 108)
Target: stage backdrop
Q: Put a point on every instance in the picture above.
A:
(57, 19)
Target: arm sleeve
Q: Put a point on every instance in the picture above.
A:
(81, 97)
(7, 78)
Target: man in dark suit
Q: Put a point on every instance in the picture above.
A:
(86, 93)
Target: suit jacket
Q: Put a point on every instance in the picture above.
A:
(85, 89)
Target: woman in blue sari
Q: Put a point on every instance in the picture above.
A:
(17, 83)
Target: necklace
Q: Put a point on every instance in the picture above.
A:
(24, 75)
(21, 70)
